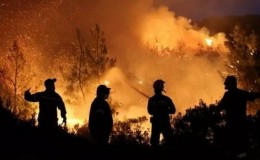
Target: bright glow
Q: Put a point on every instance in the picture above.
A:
(73, 121)
(209, 41)
(157, 26)
(106, 82)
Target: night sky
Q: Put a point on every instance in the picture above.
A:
(199, 9)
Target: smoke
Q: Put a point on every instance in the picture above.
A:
(149, 42)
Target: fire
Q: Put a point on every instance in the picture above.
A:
(157, 26)
(161, 30)
(209, 42)
(106, 82)
(72, 121)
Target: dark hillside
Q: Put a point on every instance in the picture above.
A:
(22, 140)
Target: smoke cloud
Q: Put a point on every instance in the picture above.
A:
(142, 37)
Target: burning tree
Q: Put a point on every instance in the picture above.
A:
(244, 57)
(89, 62)
(13, 75)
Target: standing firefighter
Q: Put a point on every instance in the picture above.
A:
(100, 117)
(49, 102)
(234, 103)
(160, 106)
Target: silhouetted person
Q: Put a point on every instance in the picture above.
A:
(160, 106)
(100, 117)
(234, 104)
(49, 102)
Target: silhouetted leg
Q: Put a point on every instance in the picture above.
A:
(155, 136)
(100, 137)
(167, 134)
(229, 140)
(103, 141)
(242, 141)
(238, 140)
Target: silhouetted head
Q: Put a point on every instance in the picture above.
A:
(49, 84)
(103, 90)
(158, 85)
(230, 82)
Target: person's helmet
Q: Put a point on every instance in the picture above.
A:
(230, 82)
(49, 82)
(103, 89)
(158, 85)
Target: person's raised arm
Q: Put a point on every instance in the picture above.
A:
(253, 95)
(30, 97)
